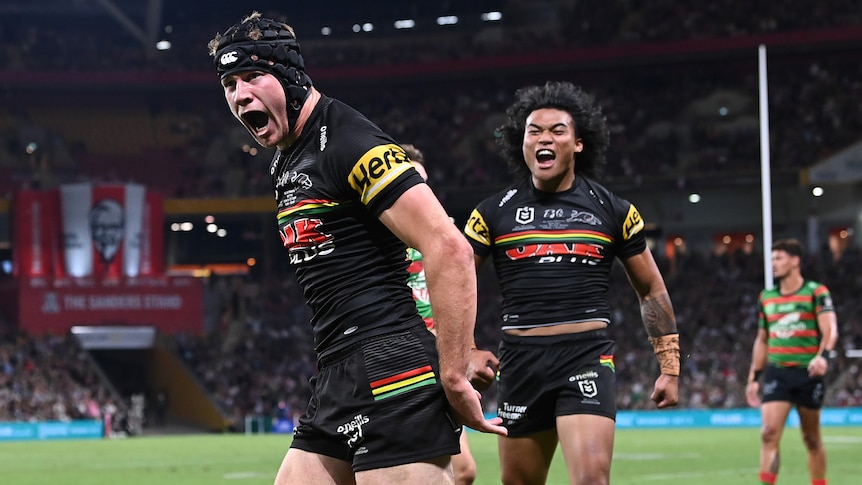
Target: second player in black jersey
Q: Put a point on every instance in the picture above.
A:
(348, 200)
(550, 246)
(553, 236)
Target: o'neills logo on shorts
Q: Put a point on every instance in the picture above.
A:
(353, 430)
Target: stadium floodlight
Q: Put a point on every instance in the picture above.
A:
(326, 31)
(817, 191)
(357, 28)
(492, 16)
(405, 24)
(447, 20)
(163, 45)
(367, 27)
(694, 198)
(222, 232)
(211, 228)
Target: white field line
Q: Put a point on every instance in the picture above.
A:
(694, 474)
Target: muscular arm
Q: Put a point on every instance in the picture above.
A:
(828, 324)
(758, 353)
(656, 309)
(659, 322)
(758, 363)
(419, 220)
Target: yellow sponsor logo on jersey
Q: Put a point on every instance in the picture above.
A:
(377, 169)
(634, 223)
(477, 229)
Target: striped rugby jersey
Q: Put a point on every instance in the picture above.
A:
(791, 322)
(553, 252)
(417, 283)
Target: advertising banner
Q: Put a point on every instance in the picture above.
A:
(171, 305)
(33, 234)
(90, 254)
(88, 231)
(50, 430)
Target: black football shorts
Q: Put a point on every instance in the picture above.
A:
(793, 384)
(545, 377)
(379, 403)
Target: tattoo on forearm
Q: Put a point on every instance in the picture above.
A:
(657, 314)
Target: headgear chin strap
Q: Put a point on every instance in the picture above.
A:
(259, 44)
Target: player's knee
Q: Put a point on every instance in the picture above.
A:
(465, 474)
(519, 477)
(812, 441)
(770, 433)
(592, 477)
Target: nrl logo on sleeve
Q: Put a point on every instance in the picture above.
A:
(228, 58)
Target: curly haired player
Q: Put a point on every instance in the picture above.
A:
(553, 236)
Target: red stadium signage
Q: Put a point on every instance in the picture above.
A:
(85, 230)
(171, 304)
(87, 254)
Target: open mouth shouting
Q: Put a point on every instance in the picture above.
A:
(257, 121)
(545, 157)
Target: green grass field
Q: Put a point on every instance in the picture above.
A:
(685, 456)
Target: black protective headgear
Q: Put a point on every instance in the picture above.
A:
(260, 44)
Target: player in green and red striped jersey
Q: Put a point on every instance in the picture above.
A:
(793, 350)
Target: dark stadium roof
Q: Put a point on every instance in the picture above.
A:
(312, 15)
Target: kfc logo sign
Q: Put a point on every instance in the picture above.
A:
(107, 226)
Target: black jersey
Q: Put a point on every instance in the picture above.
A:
(331, 185)
(553, 252)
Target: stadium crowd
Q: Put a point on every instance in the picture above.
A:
(49, 378)
(672, 127)
(675, 123)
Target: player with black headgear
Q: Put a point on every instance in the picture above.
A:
(386, 405)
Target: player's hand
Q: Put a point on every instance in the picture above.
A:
(466, 404)
(818, 367)
(666, 392)
(482, 369)
(752, 394)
